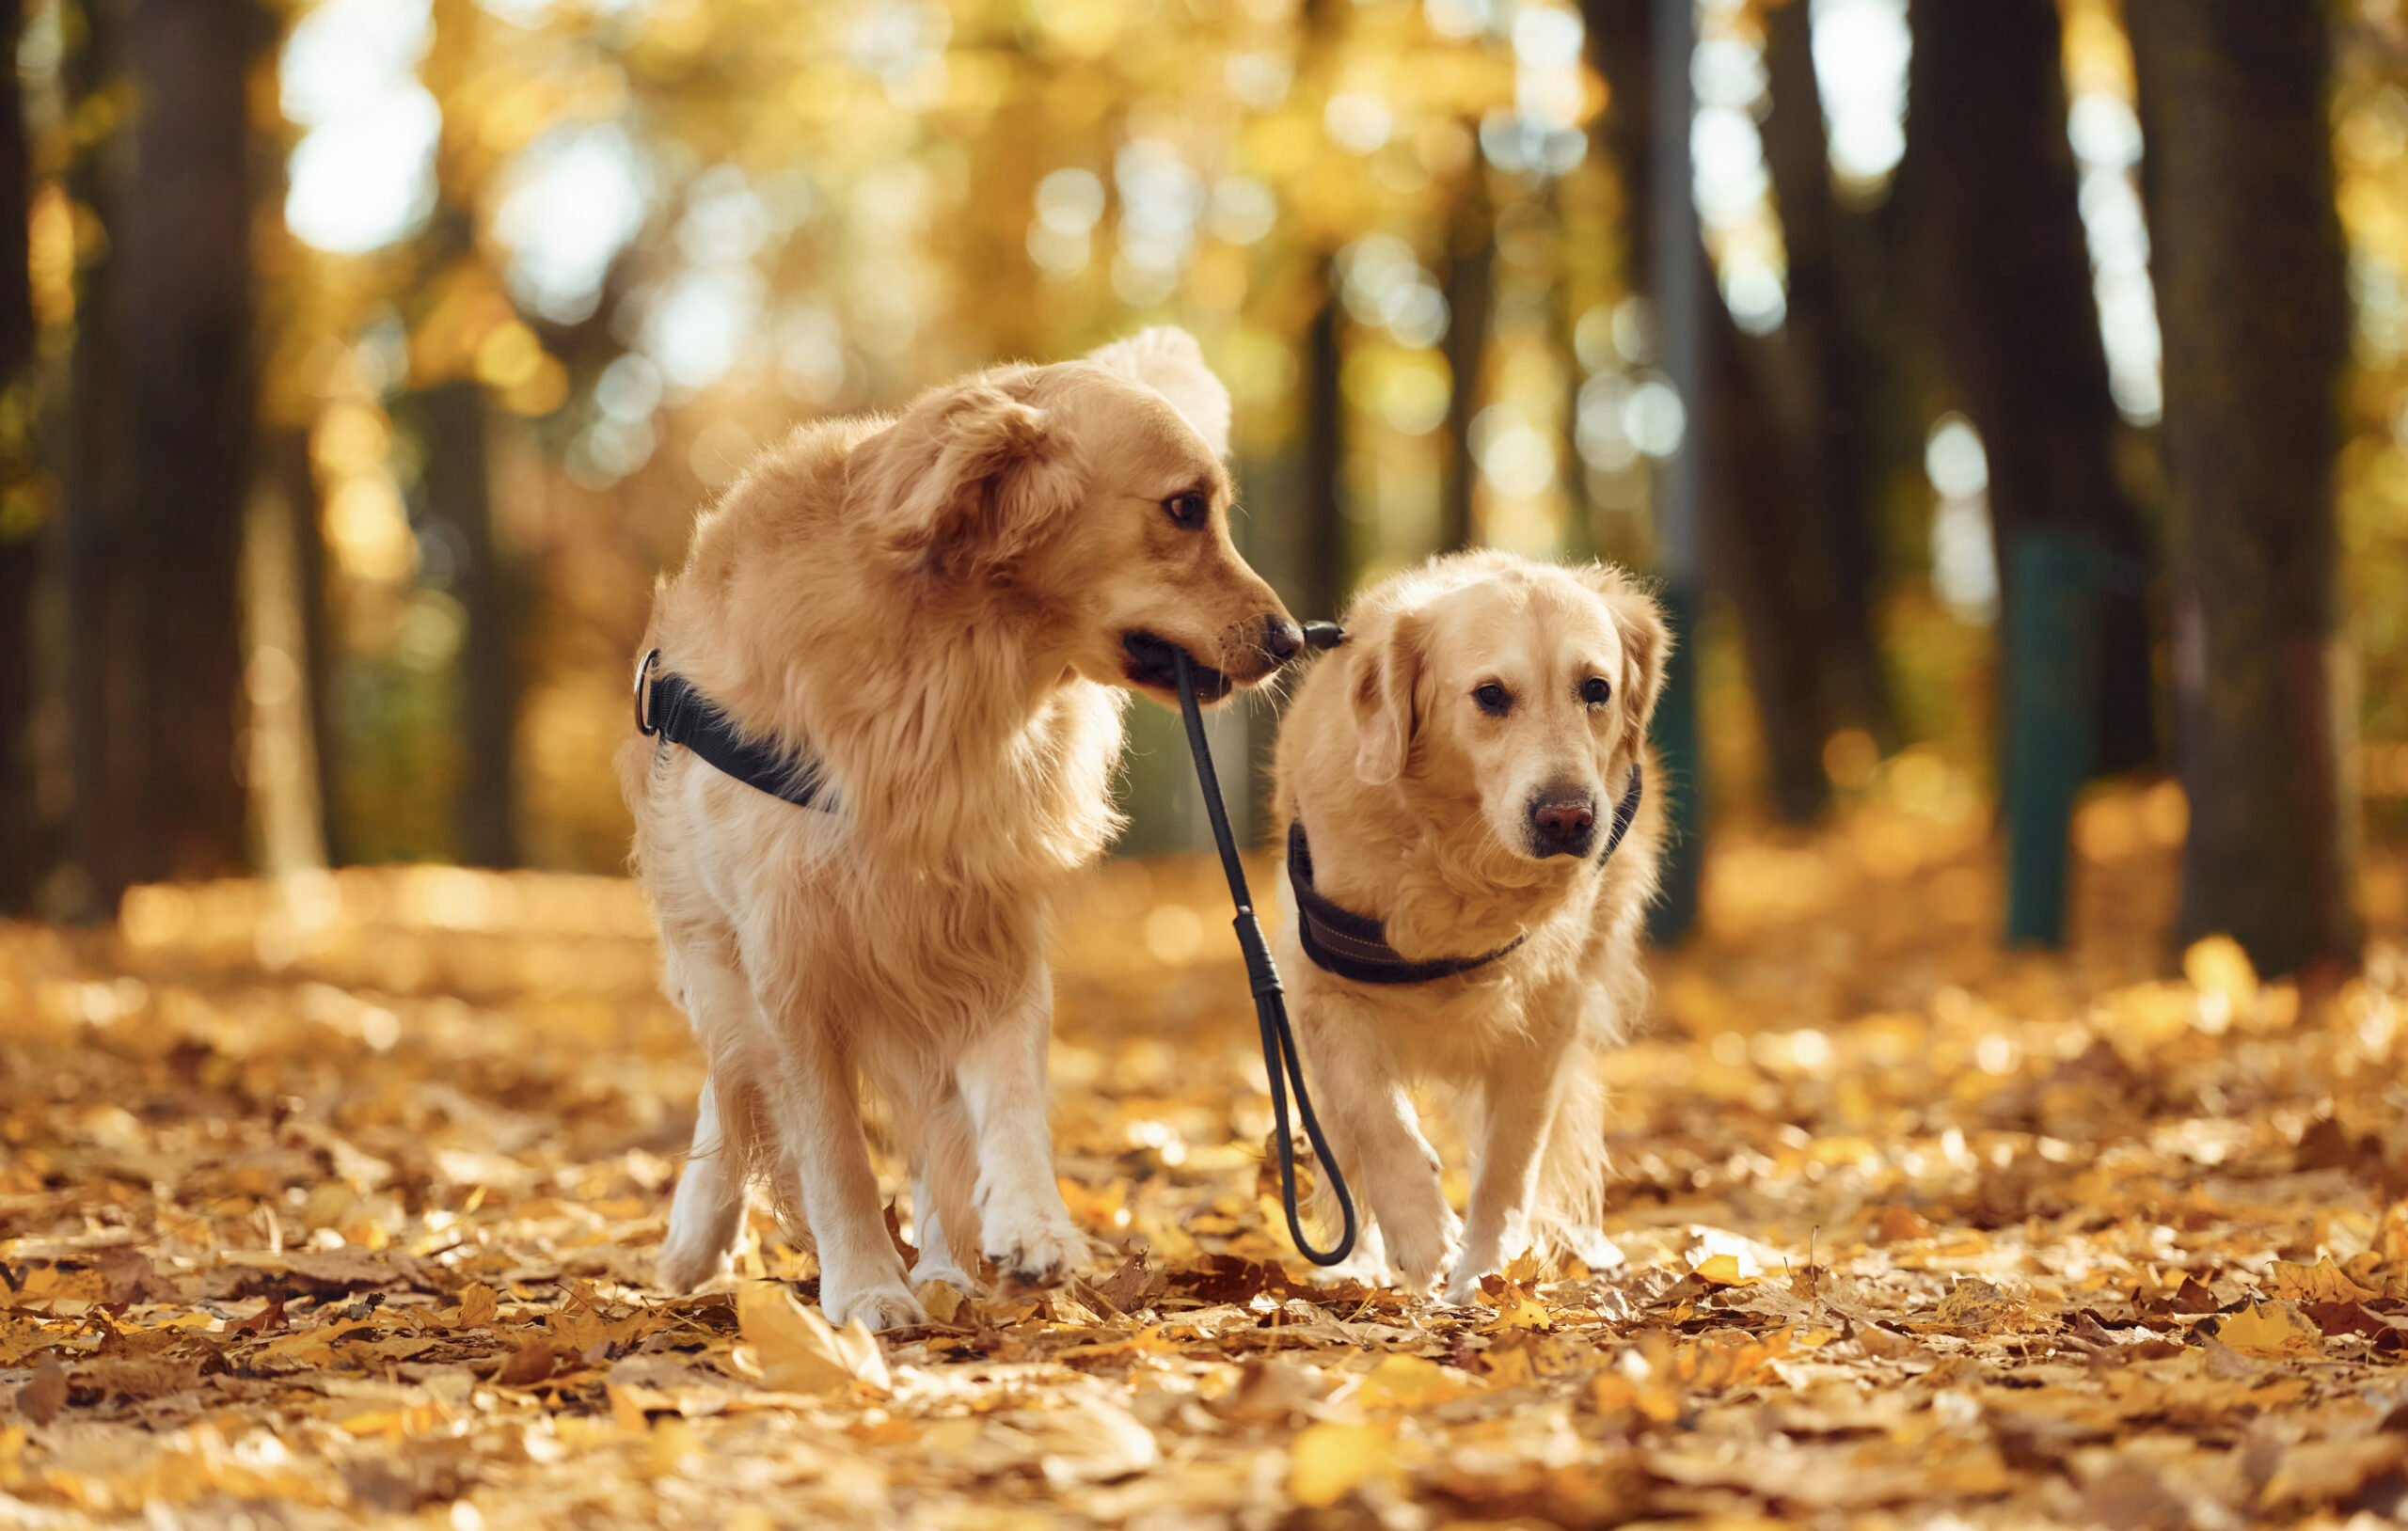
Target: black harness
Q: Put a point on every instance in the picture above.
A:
(669, 707)
(1355, 946)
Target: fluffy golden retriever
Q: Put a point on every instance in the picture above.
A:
(939, 617)
(1448, 783)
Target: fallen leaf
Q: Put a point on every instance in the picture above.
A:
(2322, 1281)
(529, 1364)
(478, 1305)
(1330, 1461)
(40, 1399)
(798, 1351)
(2270, 1330)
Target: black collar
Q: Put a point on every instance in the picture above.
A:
(1355, 946)
(668, 705)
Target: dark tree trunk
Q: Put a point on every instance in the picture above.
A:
(459, 494)
(2003, 280)
(1471, 275)
(19, 502)
(1750, 534)
(1751, 528)
(185, 233)
(1322, 582)
(160, 455)
(2249, 269)
(1835, 364)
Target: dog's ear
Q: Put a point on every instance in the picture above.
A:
(970, 475)
(1167, 360)
(1387, 678)
(1646, 638)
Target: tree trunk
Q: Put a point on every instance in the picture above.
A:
(19, 502)
(2003, 285)
(1751, 537)
(2249, 267)
(161, 454)
(459, 494)
(1471, 275)
(1835, 367)
(1322, 582)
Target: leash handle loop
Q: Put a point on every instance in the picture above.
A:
(1279, 1055)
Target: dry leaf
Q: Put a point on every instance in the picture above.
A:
(2270, 1330)
(478, 1305)
(797, 1350)
(1330, 1461)
(40, 1399)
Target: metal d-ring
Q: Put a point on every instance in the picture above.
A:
(643, 693)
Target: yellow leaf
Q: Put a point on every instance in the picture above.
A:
(2272, 1329)
(1408, 1382)
(479, 1305)
(1722, 1270)
(1330, 1461)
(2322, 1281)
(942, 1302)
(798, 1351)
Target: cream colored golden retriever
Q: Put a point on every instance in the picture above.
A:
(939, 617)
(1449, 783)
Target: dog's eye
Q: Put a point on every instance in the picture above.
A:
(1596, 692)
(1188, 510)
(1494, 700)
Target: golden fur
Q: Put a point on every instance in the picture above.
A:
(931, 607)
(1420, 806)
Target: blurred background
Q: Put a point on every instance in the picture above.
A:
(2009, 397)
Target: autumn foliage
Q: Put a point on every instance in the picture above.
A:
(334, 1201)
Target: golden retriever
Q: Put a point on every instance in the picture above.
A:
(1456, 770)
(940, 616)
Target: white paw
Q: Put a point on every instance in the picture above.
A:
(1462, 1289)
(1036, 1250)
(936, 1267)
(1422, 1243)
(686, 1265)
(885, 1305)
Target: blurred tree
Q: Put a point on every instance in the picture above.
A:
(1754, 531)
(159, 465)
(1323, 577)
(21, 500)
(1999, 270)
(2248, 260)
(1471, 279)
(1832, 343)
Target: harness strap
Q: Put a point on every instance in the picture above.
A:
(1355, 946)
(668, 705)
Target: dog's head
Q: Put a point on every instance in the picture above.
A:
(1097, 487)
(1522, 689)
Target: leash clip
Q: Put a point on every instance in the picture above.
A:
(643, 693)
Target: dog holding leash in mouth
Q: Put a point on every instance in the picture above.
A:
(878, 720)
(1472, 833)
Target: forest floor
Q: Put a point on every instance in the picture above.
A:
(333, 1203)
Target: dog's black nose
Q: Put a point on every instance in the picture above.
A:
(1562, 824)
(1281, 638)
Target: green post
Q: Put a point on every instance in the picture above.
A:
(2052, 725)
(1676, 752)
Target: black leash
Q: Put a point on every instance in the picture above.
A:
(1278, 1040)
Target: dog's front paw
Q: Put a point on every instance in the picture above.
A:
(686, 1265)
(888, 1304)
(1421, 1244)
(1463, 1287)
(1038, 1252)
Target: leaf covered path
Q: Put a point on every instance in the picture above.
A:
(334, 1205)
